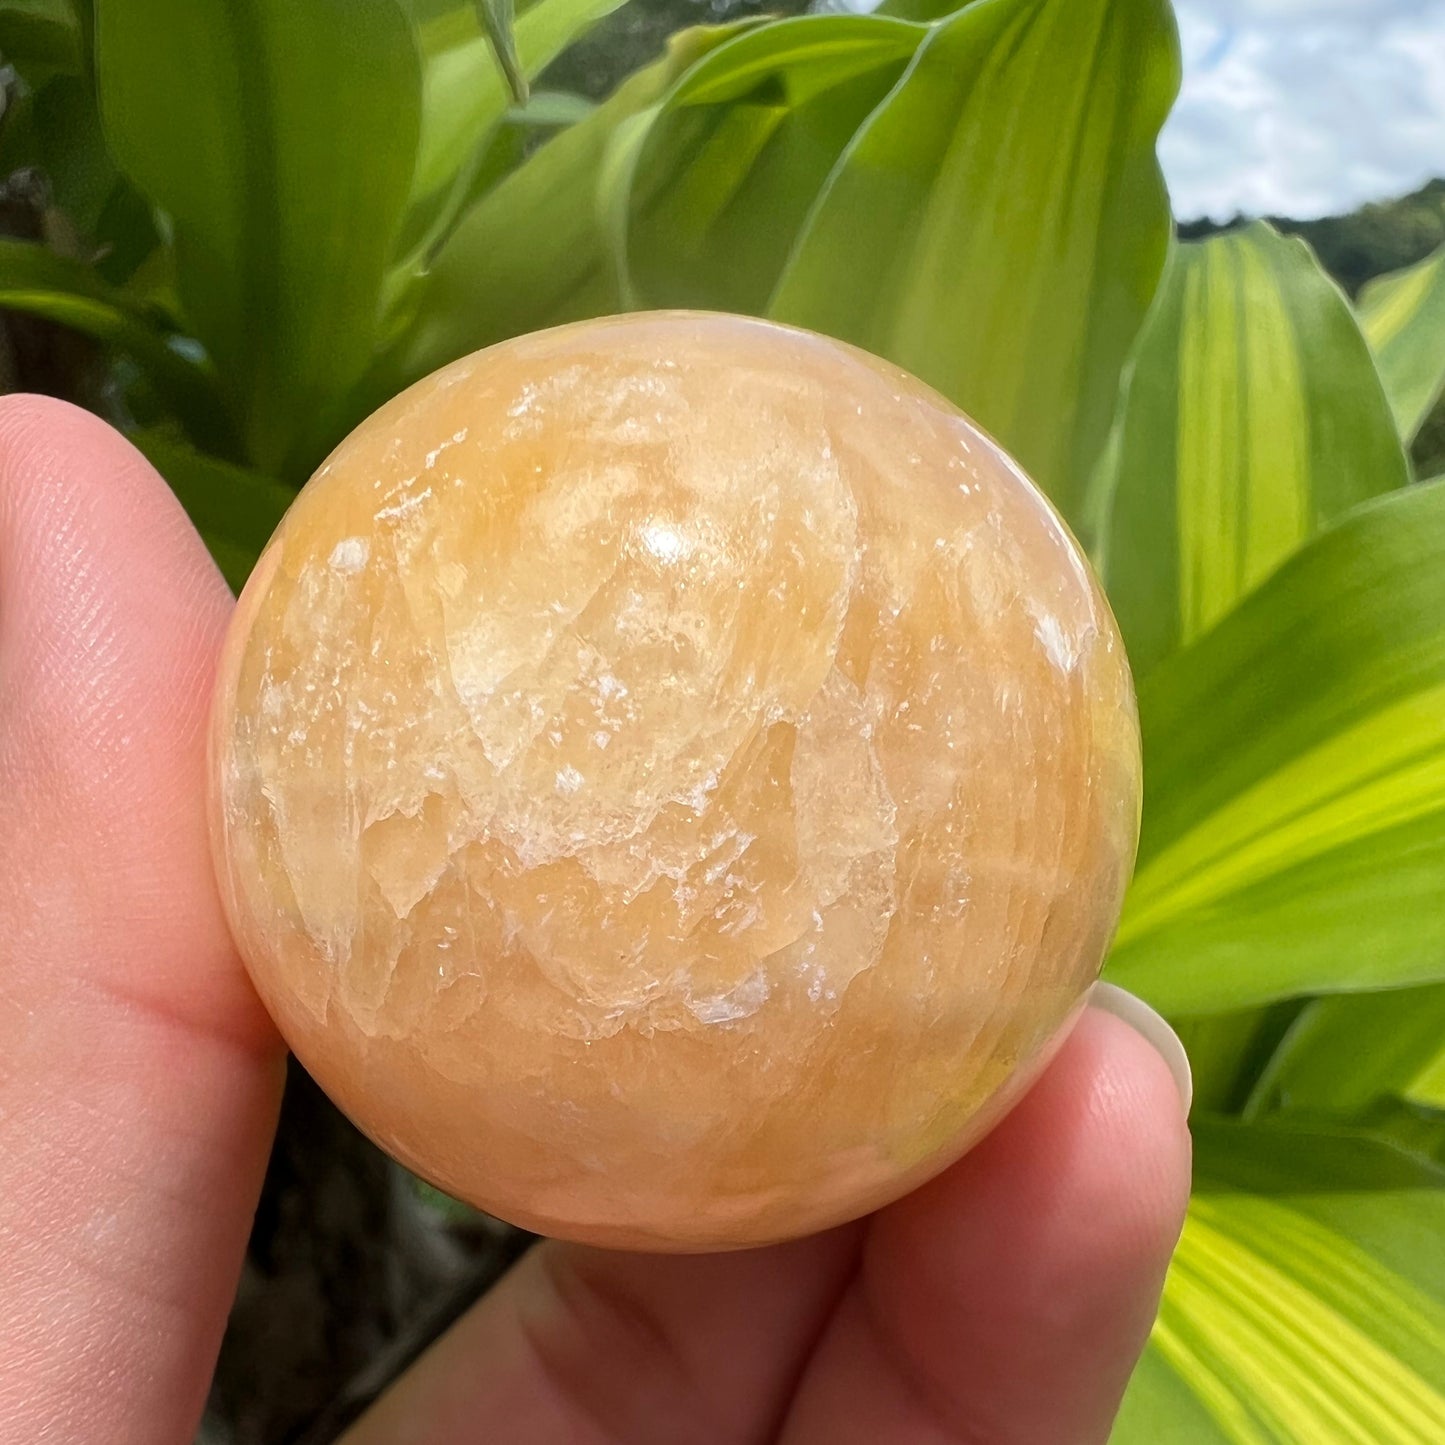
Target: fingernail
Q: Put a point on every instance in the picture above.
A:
(1151, 1027)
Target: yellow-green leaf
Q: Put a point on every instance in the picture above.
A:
(1253, 415)
(1294, 761)
(465, 95)
(1404, 318)
(280, 138)
(1306, 1302)
(720, 180)
(998, 226)
(534, 251)
(1228, 1051)
(41, 38)
(1347, 1054)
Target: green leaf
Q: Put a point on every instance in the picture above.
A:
(71, 149)
(1349, 1053)
(723, 174)
(56, 127)
(127, 237)
(1294, 812)
(1306, 1302)
(464, 97)
(1404, 318)
(551, 110)
(1228, 1052)
(280, 138)
(235, 510)
(999, 225)
(533, 252)
(1253, 415)
(926, 10)
(498, 18)
(41, 38)
(1415, 1128)
(1161, 1406)
(40, 283)
(1428, 1086)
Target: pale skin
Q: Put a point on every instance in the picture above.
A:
(1005, 1303)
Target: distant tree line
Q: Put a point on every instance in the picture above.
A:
(1383, 236)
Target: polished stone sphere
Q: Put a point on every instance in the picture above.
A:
(674, 778)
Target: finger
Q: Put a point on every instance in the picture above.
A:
(138, 1076)
(585, 1346)
(594, 1348)
(1009, 1300)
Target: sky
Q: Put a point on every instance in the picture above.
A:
(1305, 107)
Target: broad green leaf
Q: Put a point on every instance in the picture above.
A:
(280, 138)
(56, 127)
(533, 252)
(72, 151)
(1229, 1052)
(1294, 811)
(926, 10)
(999, 225)
(724, 172)
(128, 238)
(1428, 1085)
(1416, 1128)
(1161, 1408)
(1346, 1054)
(40, 283)
(550, 110)
(506, 145)
(1306, 1302)
(234, 510)
(464, 96)
(1253, 415)
(1404, 317)
(41, 38)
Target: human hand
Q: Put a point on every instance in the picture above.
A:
(1005, 1302)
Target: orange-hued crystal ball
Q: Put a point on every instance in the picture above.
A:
(673, 779)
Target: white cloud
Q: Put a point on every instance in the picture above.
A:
(1305, 107)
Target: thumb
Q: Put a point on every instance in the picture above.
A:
(138, 1075)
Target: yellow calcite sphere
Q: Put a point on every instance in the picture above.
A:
(674, 777)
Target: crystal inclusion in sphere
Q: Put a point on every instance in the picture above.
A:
(673, 778)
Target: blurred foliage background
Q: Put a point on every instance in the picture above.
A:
(232, 227)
